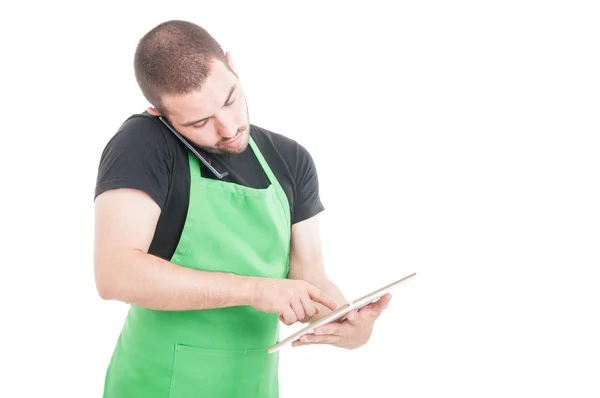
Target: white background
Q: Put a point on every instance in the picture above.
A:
(458, 140)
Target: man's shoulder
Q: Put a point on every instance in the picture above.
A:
(140, 131)
(142, 125)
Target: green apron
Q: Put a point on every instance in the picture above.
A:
(215, 353)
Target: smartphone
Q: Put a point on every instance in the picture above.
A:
(217, 170)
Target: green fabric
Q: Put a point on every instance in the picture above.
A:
(216, 353)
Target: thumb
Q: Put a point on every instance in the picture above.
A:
(352, 316)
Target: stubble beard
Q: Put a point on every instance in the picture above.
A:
(245, 137)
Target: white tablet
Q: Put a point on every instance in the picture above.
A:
(340, 313)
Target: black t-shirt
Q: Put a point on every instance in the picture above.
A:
(144, 154)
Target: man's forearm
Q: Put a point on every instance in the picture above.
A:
(151, 282)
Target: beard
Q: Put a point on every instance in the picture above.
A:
(243, 133)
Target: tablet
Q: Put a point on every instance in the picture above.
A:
(340, 313)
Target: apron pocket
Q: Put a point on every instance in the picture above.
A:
(199, 372)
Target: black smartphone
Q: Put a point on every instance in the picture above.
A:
(220, 173)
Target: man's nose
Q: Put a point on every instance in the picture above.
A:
(226, 127)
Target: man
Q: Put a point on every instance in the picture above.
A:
(209, 265)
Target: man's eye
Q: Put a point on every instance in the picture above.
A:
(230, 102)
(199, 125)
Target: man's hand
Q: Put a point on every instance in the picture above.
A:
(351, 333)
(293, 300)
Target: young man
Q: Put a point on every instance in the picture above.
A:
(209, 265)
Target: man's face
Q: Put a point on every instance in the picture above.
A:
(216, 117)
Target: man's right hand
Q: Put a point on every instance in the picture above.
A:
(293, 300)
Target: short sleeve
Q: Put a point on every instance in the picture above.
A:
(308, 201)
(136, 157)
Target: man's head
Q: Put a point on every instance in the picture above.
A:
(183, 72)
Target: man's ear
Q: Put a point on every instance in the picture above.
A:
(153, 111)
(230, 63)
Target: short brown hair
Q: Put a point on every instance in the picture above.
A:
(174, 58)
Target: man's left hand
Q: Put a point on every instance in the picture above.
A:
(351, 333)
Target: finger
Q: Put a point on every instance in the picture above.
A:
(297, 343)
(298, 309)
(289, 317)
(383, 302)
(320, 297)
(308, 306)
(325, 339)
(330, 328)
(375, 309)
(353, 317)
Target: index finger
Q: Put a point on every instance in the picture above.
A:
(320, 297)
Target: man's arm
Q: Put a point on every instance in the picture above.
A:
(125, 220)
(306, 261)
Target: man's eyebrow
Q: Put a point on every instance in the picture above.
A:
(231, 90)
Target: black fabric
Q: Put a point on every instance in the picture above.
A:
(144, 154)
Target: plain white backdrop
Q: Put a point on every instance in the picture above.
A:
(458, 140)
